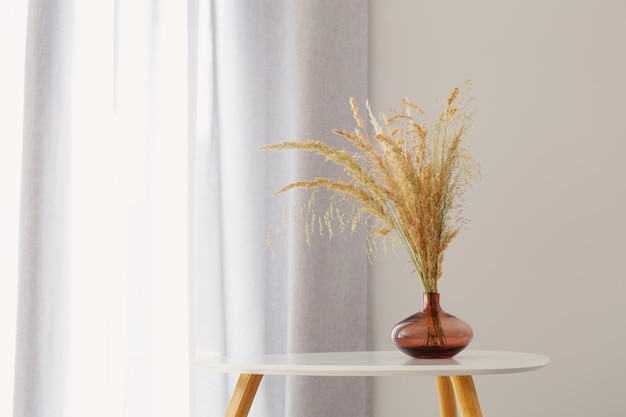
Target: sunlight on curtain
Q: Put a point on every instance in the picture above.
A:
(127, 339)
(12, 42)
(129, 211)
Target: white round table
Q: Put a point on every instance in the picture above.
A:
(454, 376)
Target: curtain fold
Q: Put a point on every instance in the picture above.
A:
(280, 70)
(42, 331)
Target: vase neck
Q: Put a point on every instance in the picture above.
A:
(430, 301)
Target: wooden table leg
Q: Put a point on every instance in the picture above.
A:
(466, 396)
(244, 393)
(447, 403)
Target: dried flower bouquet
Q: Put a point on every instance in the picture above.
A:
(409, 178)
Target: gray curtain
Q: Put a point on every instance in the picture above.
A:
(276, 70)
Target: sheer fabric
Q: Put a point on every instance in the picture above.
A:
(102, 307)
(12, 41)
(281, 70)
(145, 204)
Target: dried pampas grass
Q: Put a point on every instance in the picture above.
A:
(409, 176)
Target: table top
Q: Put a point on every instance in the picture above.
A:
(373, 363)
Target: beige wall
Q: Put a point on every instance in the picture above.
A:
(541, 267)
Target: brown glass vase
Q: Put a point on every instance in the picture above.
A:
(431, 332)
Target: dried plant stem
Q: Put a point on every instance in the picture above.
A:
(436, 335)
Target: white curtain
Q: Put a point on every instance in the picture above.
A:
(145, 204)
(102, 307)
(281, 70)
(12, 40)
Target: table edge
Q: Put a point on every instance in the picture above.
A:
(533, 362)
